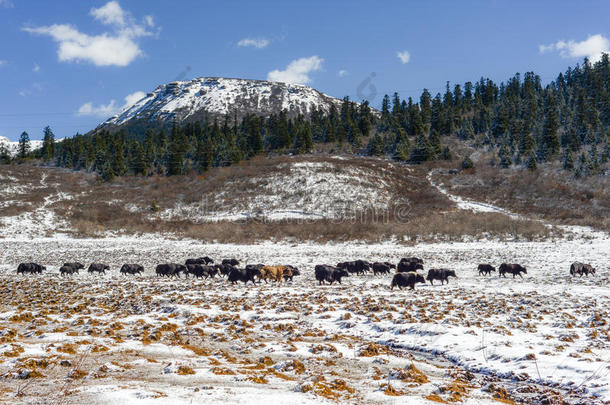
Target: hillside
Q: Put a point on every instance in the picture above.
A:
(319, 197)
(214, 122)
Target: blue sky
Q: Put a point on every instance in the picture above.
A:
(62, 63)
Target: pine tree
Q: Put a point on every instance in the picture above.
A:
(527, 143)
(48, 144)
(467, 163)
(505, 156)
(303, 141)
(531, 162)
(24, 145)
(117, 157)
(107, 174)
(138, 160)
(5, 157)
(176, 152)
(422, 151)
(375, 146)
(550, 140)
(435, 144)
(446, 154)
(568, 160)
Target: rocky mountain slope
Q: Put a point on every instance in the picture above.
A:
(217, 97)
(12, 146)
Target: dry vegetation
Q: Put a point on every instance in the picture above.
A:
(159, 338)
(552, 195)
(132, 205)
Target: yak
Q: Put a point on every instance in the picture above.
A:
(75, 265)
(486, 269)
(244, 275)
(201, 270)
(99, 268)
(170, 269)
(232, 262)
(132, 269)
(356, 266)
(514, 269)
(329, 274)
(405, 266)
(382, 268)
(200, 260)
(30, 268)
(412, 260)
(581, 268)
(440, 274)
(406, 279)
(293, 272)
(275, 273)
(224, 269)
(63, 270)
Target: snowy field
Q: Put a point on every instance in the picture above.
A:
(112, 338)
(147, 340)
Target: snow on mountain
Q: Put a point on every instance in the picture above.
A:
(13, 146)
(216, 96)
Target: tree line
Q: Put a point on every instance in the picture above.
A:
(521, 122)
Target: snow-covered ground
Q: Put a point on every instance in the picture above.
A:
(145, 340)
(299, 190)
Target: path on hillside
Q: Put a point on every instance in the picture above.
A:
(477, 206)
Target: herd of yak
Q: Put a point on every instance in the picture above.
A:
(406, 271)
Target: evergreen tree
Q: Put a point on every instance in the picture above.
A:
(138, 163)
(505, 156)
(526, 144)
(550, 140)
(435, 144)
(568, 160)
(446, 154)
(467, 163)
(422, 151)
(48, 144)
(24, 145)
(375, 146)
(531, 162)
(176, 152)
(5, 157)
(303, 142)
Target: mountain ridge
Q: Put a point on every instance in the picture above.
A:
(216, 97)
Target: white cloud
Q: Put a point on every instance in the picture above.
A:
(592, 48)
(343, 72)
(133, 98)
(117, 48)
(36, 68)
(110, 109)
(297, 71)
(254, 42)
(110, 13)
(2, 62)
(404, 56)
(6, 4)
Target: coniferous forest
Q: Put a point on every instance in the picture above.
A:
(522, 121)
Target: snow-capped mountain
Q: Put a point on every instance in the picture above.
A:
(215, 96)
(13, 146)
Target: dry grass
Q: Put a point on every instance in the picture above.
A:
(552, 194)
(418, 212)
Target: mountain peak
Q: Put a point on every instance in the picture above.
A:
(219, 96)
